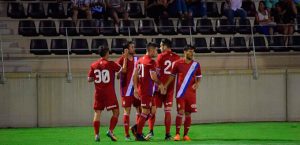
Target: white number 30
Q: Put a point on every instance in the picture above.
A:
(102, 76)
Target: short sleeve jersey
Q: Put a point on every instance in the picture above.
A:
(186, 75)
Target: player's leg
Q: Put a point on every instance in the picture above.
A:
(168, 122)
(96, 124)
(180, 113)
(187, 124)
(141, 123)
(113, 123)
(151, 121)
(126, 121)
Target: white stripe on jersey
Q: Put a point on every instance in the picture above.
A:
(186, 79)
(130, 86)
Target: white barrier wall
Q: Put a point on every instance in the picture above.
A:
(224, 96)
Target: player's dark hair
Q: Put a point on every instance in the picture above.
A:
(167, 42)
(151, 45)
(189, 47)
(126, 45)
(103, 51)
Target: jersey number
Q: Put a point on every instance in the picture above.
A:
(141, 70)
(168, 65)
(102, 76)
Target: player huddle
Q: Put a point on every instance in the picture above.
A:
(146, 84)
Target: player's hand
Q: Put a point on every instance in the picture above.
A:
(136, 94)
(162, 89)
(195, 86)
(126, 53)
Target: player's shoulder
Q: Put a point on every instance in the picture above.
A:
(95, 63)
(180, 60)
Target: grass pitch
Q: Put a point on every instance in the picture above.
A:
(270, 133)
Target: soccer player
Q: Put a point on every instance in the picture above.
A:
(144, 78)
(164, 63)
(188, 74)
(127, 61)
(102, 73)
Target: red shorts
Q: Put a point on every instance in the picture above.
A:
(161, 99)
(105, 101)
(147, 101)
(128, 101)
(187, 104)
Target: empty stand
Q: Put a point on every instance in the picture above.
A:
(59, 46)
(146, 27)
(80, 46)
(218, 44)
(117, 45)
(107, 28)
(166, 27)
(186, 26)
(88, 28)
(126, 26)
(27, 28)
(67, 28)
(97, 43)
(47, 28)
(178, 44)
(244, 27)
(294, 43)
(140, 45)
(36, 10)
(16, 10)
(204, 26)
(223, 27)
(259, 44)
(238, 44)
(39, 47)
(201, 45)
(278, 45)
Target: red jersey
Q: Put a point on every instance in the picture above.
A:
(126, 79)
(164, 63)
(103, 72)
(186, 75)
(145, 66)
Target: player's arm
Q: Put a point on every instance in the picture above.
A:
(124, 66)
(91, 75)
(197, 83)
(170, 79)
(154, 77)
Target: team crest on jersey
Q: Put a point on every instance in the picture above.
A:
(193, 106)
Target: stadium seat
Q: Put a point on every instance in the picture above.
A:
(27, 28)
(80, 46)
(212, 9)
(146, 27)
(278, 45)
(67, 28)
(126, 26)
(259, 44)
(96, 43)
(218, 44)
(107, 28)
(88, 28)
(238, 44)
(36, 10)
(178, 44)
(39, 47)
(298, 24)
(204, 26)
(244, 27)
(134, 10)
(56, 10)
(223, 27)
(47, 28)
(249, 7)
(59, 46)
(117, 45)
(16, 10)
(294, 43)
(166, 27)
(186, 26)
(201, 45)
(140, 45)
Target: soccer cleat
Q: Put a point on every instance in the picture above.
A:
(140, 137)
(133, 129)
(111, 136)
(127, 138)
(168, 137)
(186, 138)
(97, 138)
(177, 137)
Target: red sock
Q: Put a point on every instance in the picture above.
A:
(151, 121)
(96, 127)
(138, 115)
(126, 124)
(167, 121)
(113, 123)
(178, 123)
(141, 123)
(187, 124)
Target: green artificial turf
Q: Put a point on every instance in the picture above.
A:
(278, 133)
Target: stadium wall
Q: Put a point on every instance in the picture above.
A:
(48, 100)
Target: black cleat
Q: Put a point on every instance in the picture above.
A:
(97, 138)
(111, 136)
(134, 130)
(168, 137)
(140, 137)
